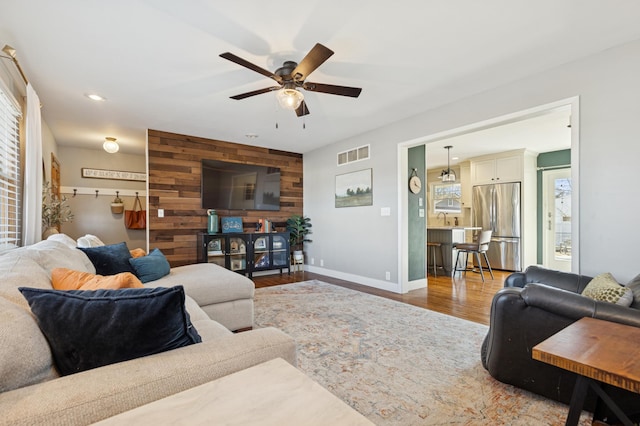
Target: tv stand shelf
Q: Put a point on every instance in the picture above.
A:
(246, 253)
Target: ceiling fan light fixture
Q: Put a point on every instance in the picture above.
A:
(289, 98)
(110, 145)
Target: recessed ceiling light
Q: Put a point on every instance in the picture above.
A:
(95, 97)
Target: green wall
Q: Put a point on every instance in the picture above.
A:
(548, 159)
(417, 224)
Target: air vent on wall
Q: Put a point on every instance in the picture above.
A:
(356, 154)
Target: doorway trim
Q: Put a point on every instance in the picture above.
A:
(403, 176)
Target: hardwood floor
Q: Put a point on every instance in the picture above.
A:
(462, 297)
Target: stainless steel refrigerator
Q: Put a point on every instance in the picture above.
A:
(497, 207)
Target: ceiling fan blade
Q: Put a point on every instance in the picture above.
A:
(316, 57)
(238, 60)
(302, 109)
(353, 92)
(255, 92)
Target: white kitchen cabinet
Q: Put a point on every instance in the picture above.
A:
(498, 169)
(465, 183)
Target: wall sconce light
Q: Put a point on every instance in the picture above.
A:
(110, 145)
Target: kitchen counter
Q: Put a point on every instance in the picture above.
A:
(466, 228)
(447, 236)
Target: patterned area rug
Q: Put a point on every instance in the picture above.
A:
(395, 363)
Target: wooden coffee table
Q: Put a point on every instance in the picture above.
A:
(272, 393)
(599, 352)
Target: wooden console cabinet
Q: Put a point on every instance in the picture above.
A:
(246, 253)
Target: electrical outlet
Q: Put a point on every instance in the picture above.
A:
(387, 275)
(321, 262)
(160, 212)
(313, 261)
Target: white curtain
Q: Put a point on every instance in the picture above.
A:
(32, 187)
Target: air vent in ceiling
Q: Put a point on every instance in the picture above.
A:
(356, 154)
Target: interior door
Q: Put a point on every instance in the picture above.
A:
(556, 234)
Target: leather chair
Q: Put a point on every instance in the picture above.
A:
(534, 305)
(479, 247)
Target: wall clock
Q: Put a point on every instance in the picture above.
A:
(415, 184)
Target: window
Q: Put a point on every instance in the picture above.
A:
(446, 198)
(10, 218)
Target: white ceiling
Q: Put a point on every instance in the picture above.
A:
(157, 63)
(544, 132)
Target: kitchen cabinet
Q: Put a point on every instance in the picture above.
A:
(499, 169)
(465, 183)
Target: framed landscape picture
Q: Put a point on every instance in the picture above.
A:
(354, 189)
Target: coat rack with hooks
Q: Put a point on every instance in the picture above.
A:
(74, 191)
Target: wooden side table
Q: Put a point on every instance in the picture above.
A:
(599, 352)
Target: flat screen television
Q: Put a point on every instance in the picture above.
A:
(237, 186)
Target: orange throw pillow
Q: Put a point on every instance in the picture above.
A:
(137, 252)
(68, 279)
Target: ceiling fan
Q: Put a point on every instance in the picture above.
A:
(292, 76)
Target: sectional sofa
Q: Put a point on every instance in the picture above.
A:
(33, 392)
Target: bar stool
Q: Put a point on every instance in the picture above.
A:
(479, 247)
(432, 247)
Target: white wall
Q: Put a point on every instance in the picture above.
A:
(92, 215)
(360, 245)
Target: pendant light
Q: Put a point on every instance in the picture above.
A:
(448, 175)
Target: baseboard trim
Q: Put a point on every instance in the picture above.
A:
(358, 279)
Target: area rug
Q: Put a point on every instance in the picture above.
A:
(395, 363)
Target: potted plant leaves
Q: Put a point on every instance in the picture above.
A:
(55, 210)
(299, 228)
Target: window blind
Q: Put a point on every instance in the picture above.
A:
(10, 211)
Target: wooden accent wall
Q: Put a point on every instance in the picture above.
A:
(174, 185)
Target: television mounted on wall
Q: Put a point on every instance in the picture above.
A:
(237, 186)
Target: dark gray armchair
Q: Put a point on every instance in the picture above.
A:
(534, 305)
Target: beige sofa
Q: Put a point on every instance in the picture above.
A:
(31, 390)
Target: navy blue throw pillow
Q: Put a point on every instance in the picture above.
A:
(150, 267)
(109, 259)
(91, 328)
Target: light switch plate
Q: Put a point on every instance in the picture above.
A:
(160, 212)
(385, 211)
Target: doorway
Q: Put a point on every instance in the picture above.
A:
(571, 108)
(556, 235)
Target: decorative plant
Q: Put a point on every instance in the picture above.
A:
(299, 227)
(55, 210)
